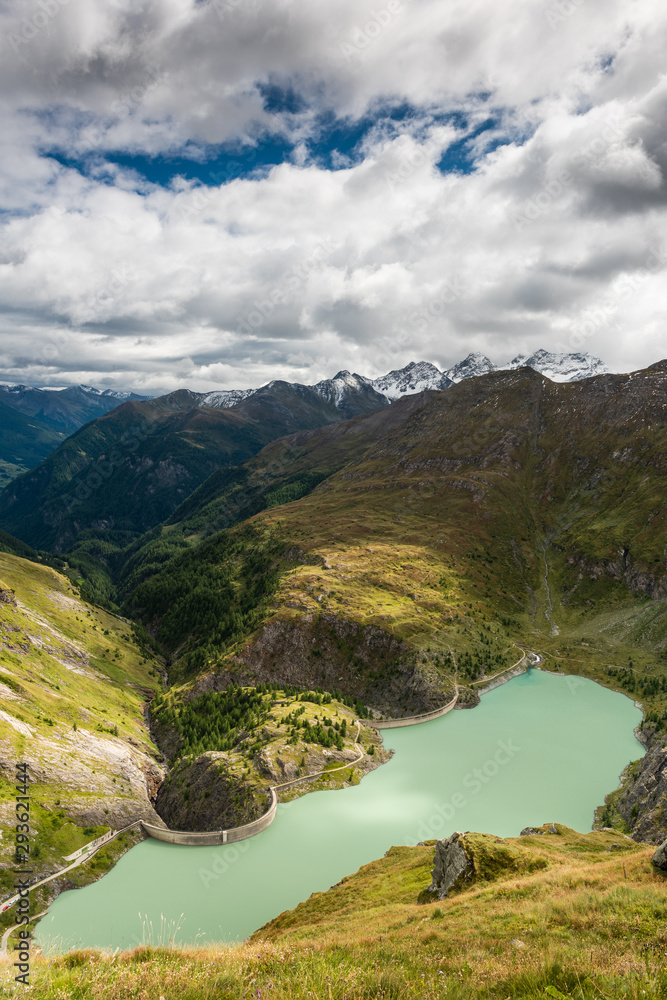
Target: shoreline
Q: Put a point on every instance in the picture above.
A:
(522, 667)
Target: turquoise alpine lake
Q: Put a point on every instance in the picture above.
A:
(541, 748)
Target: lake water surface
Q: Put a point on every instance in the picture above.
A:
(538, 749)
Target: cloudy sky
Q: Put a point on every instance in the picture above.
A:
(214, 193)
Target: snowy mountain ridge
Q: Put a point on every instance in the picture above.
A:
(416, 376)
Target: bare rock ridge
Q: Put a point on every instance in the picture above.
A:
(315, 652)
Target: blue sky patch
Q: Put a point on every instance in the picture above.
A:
(332, 143)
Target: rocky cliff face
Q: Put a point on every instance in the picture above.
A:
(643, 799)
(103, 780)
(208, 794)
(335, 653)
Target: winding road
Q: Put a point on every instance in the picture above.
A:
(85, 853)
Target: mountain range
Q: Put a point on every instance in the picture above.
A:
(69, 408)
(125, 472)
(162, 449)
(508, 497)
(45, 417)
(33, 422)
(64, 410)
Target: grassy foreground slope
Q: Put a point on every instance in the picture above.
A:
(553, 916)
(74, 683)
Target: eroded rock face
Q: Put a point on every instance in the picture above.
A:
(643, 802)
(452, 867)
(336, 653)
(207, 795)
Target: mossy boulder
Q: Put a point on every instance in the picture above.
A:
(475, 858)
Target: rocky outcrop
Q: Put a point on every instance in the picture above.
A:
(207, 794)
(660, 857)
(623, 569)
(534, 831)
(332, 652)
(102, 780)
(643, 799)
(468, 698)
(478, 858)
(452, 867)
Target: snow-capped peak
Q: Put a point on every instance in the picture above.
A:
(90, 389)
(224, 398)
(335, 389)
(474, 364)
(415, 377)
(560, 367)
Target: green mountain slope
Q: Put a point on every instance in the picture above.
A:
(63, 410)
(285, 470)
(126, 472)
(74, 683)
(508, 511)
